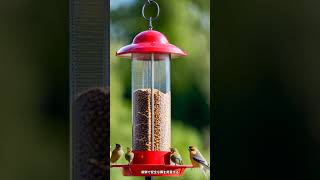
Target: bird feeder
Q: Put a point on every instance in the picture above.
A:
(150, 54)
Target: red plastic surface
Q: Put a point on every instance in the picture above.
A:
(152, 163)
(151, 157)
(152, 170)
(150, 41)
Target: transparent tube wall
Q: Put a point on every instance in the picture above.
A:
(151, 115)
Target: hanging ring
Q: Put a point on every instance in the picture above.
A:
(149, 2)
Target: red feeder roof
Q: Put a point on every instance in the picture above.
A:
(148, 42)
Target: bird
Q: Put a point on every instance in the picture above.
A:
(198, 160)
(175, 156)
(129, 155)
(116, 154)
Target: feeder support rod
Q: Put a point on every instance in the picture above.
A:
(152, 100)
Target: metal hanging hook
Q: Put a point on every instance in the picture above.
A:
(150, 23)
(150, 19)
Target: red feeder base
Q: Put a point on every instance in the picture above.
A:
(152, 163)
(152, 170)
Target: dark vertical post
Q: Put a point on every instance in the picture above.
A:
(89, 89)
(149, 178)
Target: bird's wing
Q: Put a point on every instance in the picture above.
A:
(199, 158)
(178, 156)
(180, 160)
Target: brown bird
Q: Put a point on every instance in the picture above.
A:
(198, 160)
(129, 155)
(116, 154)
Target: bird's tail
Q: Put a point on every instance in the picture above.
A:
(204, 171)
(206, 167)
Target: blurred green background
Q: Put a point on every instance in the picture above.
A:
(186, 23)
(34, 93)
(266, 89)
